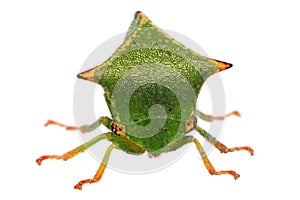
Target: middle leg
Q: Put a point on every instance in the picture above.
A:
(219, 145)
(74, 152)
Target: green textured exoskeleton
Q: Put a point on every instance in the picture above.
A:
(151, 86)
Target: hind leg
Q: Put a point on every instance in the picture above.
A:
(85, 128)
(210, 118)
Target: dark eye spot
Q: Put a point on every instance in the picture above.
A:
(164, 129)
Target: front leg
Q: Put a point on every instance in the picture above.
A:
(100, 170)
(208, 164)
(188, 139)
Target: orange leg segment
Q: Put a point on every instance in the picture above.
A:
(100, 170)
(73, 152)
(219, 145)
(208, 164)
(210, 118)
(225, 149)
(85, 128)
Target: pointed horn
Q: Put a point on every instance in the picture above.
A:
(143, 17)
(221, 65)
(87, 75)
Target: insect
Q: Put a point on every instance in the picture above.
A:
(151, 84)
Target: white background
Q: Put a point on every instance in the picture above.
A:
(43, 45)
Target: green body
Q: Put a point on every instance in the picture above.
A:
(149, 69)
(151, 86)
